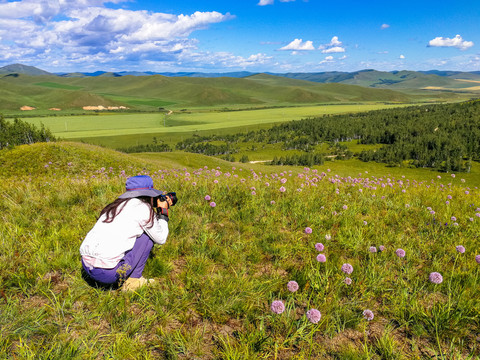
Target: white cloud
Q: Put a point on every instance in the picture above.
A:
(270, 2)
(89, 32)
(328, 59)
(384, 26)
(343, 57)
(335, 46)
(335, 49)
(298, 44)
(456, 42)
(402, 56)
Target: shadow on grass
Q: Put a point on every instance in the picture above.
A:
(96, 284)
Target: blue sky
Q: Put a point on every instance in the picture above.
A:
(251, 35)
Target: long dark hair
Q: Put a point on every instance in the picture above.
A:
(116, 207)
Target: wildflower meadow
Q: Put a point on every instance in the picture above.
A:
(289, 263)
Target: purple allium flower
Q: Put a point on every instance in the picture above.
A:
(453, 218)
(453, 175)
(347, 281)
(321, 258)
(207, 197)
(308, 230)
(282, 189)
(254, 193)
(368, 314)
(400, 253)
(314, 316)
(477, 259)
(212, 204)
(283, 181)
(292, 286)
(381, 248)
(319, 247)
(277, 307)
(345, 207)
(272, 202)
(460, 249)
(435, 278)
(372, 249)
(347, 268)
(364, 222)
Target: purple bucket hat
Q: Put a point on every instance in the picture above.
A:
(140, 185)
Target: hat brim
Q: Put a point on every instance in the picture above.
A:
(137, 193)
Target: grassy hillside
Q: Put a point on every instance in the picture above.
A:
(17, 91)
(152, 92)
(224, 266)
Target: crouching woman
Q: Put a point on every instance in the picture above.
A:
(116, 249)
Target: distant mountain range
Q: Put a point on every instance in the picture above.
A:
(369, 77)
(22, 85)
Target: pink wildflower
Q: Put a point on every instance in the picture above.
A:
(292, 286)
(435, 278)
(314, 316)
(368, 314)
(319, 247)
(277, 307)
(347, 268)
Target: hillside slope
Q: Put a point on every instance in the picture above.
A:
(153, 91)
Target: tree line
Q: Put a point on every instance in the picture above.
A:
(20, 132)
(445, 137)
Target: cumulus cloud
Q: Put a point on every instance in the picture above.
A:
(335, 46)
(402, 56)
(456, 42)
(335, 49)
(298, 44)
(384, 26)
(71, 31)
(328, 59)
(270, 2)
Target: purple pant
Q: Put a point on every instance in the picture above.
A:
(131, 265)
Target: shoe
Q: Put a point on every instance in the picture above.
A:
(132, 284)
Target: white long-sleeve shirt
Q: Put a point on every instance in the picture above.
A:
(106, 243)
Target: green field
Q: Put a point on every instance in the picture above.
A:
(88, 126)
(223, 266)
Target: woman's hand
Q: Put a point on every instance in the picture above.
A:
(163, 204)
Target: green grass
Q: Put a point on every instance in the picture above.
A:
(222, 266)
(55, 85)
(83, 127)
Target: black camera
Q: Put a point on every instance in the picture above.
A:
(164, 197)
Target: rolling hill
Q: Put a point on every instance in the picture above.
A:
(22, 85)
(151, 92)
